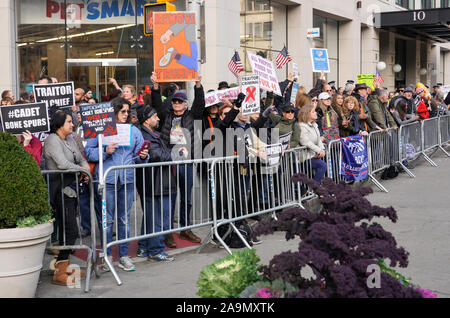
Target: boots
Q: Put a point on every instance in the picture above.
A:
(71, 271)
(60, 276)
(170, 241)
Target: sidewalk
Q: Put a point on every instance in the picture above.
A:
(422, 206)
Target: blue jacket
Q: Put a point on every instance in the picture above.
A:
(121, 157)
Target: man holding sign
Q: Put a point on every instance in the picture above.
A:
(121, 186)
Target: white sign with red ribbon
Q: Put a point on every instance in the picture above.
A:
(250, 87)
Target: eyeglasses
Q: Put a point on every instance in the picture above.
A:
(125, 111)
(329, 90)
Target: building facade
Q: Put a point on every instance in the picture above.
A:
(90, 41)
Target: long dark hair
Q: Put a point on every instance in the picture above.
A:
(402, 108)
(118, 103)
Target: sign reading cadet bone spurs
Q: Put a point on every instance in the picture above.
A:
(57, 94)
(81, 11)
(33, 117)
(175, 50)
(98, 119)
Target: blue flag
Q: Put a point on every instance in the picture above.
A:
(355, 161)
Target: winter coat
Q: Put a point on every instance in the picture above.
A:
(380, 115)
(310, 138)
(368, 123)
(327, 123)
(422, 109)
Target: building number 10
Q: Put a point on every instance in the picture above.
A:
(419, 15)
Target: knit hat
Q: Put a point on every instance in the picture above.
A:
(145, 113)
(180, 95)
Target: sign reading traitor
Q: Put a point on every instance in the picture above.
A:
(56, 94)
(18, 118)
(250, 87)
(98, 119)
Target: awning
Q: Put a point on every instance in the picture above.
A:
(433, 24)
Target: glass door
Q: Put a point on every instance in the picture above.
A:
(95, 74)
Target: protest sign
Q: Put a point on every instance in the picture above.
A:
(273, 153)
(267, 76)
(320, 62)
(56, 94)
(355, 161)
(213, 98)
(445, 90)
(295, 70)
(250, 87)
(175, 50)
(122, 138)
(98, 119)
(294, 92)
(366, 79)
(33, 117)
(285, 140)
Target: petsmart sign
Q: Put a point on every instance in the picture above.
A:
(81, 11)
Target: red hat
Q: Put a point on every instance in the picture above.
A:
(147, 89)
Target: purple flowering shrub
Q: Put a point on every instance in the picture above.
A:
(338, 244)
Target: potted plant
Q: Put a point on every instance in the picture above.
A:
(25, 215)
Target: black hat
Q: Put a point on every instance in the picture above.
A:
(409, 89)
(439, 84)
(427, 86)
(435, 86)
(332, 83)
(223, 85)
(350, 82)
(287, 107)
(145, 113)
(361, 86)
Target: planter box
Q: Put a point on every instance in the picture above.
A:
(21, 255)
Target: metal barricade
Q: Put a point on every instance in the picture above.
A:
(64, 186)
(410, 144)
(382, 151)
(430, 137)
(172, 194)
(444, 133)
(334, 158)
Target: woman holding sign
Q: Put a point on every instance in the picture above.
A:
(120, 184)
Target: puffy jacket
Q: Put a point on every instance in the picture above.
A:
(310, 138)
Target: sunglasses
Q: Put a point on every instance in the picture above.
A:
(177, 101)
(290, 112)
(314, 100)
(125, 111)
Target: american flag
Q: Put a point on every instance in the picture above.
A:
(235, 64)
(378, 79)
(283, 58)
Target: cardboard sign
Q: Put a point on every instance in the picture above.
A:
(175, 50)
(285, 140)
(250, 87)
(273, 153)
(213, 98)
(294, 92)
(98, 119)
(366, 79)
(122, 138)
(16, 119)
(267, 76)
(56, 94)
(295, 70)
(320, 62)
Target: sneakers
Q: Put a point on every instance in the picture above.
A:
(256, 241)
(161, 257)
(142, 253)
(189, 236)
(126, 264)
(105, 267)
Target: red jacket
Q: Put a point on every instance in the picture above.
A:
(35, 149)
(422, 110)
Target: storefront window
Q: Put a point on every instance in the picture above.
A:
(263, 31)
(329, 39)
(52, 31)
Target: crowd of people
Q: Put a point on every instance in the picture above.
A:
(166, 121)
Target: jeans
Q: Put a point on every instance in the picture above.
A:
(85, 208)
(155, 209)
(185, 179)
(190, 61)
(319, 167)
(123, 214)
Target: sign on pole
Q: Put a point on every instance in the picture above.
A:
(16, 119)
(250, 87)
(295, 70)
(175, 50)
(56, 94)
(98, 119)
(267, 75)
(313, 33)
(320, 62)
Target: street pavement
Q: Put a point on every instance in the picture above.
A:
(422, 229)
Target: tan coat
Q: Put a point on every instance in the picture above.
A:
(310, 137)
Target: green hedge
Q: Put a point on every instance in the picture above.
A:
(23, 191)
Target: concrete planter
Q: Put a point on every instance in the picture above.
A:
(21, 255)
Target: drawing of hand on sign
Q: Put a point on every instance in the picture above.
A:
(184, 22)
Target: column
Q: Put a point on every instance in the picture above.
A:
(370, 50)
(349, 51)
(8, 80)
(387, 55)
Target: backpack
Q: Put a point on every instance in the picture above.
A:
(233, 240)
(390, 173)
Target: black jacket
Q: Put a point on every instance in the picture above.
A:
(156, 179)
(167, 115)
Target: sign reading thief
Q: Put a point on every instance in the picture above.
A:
(16, 119)
(56, 94)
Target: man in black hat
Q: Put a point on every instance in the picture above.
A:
(436, 89)
(223, 85)
(361, 94)
(333, 87)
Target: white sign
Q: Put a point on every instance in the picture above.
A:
(250, 87)
(123, 137)
(295, 70)
(215, 97)
(313, 33)
(273, 153)
(445, 90)
(294, 92)
(82, 12)
(267, 76)
(285, 140)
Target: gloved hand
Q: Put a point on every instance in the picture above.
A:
(239, 100)
(268, 110)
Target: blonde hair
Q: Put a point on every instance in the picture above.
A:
(131, 87)
(305, 113)
(302, 100)
(347, 100)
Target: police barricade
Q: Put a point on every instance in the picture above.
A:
(158, 199)
(333, 159)
(410, 144)
(70, 191)
(430, 137)
(444, 133)
(383, 152)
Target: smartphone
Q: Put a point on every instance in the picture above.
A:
(144, 146)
